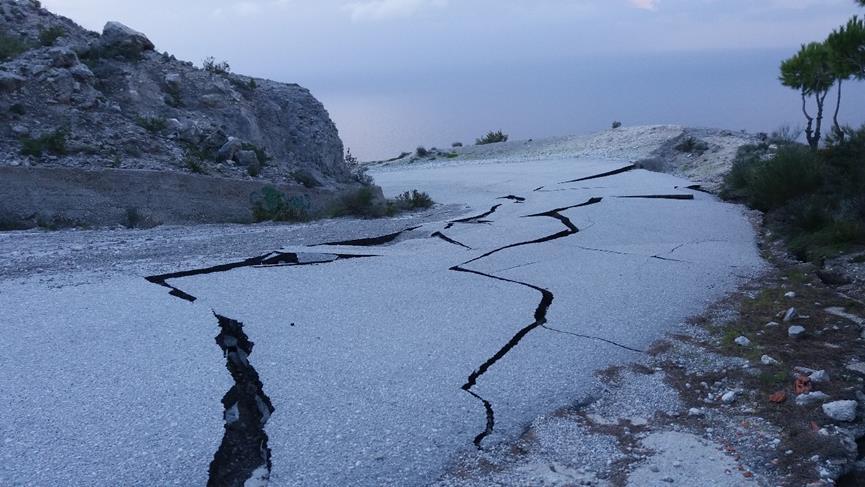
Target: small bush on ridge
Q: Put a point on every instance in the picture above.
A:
(49, 36)
(691, 145)
(211, 66)
(492, 138)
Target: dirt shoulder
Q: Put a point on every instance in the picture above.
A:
(736, 396)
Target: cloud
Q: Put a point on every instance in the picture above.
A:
(389, 9)
(249, 8)
(801, 4)
(645, 4)
(246, 8)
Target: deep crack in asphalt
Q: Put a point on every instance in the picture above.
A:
(660, 196)
(603, 175)
(474, 219)
(271, 259)
(540, 316)
(450, 240)
(370, 241)
(243, 454)
(514, 198)
(243, 457)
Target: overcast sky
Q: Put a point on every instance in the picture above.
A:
(408, 64)
(304, 38)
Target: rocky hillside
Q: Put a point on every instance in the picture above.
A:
(74, 98)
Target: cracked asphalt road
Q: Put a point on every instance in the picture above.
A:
(365, 361)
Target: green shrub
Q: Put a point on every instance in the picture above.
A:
(152, 124)
(616, 125)
(492, 138)
(690, 145)
(350, 159)
(240, 84)
(200, 152)
(363, 203)
(845, 158)
(194, 164)
(413, 200)
(211, 66)
(422, 151)
(52, 143)
(260, 153)
(830, 239)
(11, 47)
(173, 97)
(305, 178)
(785, 135)
(793, 172)
(134, 218)
(272, 204)
(813, 199)
(457, 144)
(92, 56)
(49, 36)
(737, 181)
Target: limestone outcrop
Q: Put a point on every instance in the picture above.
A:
(74, 98)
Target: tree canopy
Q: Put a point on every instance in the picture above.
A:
(847, 49)
(820, 65)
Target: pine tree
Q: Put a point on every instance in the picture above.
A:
(810, 72)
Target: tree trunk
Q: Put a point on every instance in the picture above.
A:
(818, 126)
(838, 132)
(809, 129)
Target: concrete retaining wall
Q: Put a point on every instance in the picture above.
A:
(63, 197)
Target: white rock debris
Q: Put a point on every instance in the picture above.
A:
(841, 410)
(730, 397)
(767, 360)
(819, 376)
(811, 398)
(796, 331)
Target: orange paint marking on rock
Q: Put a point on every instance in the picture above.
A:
(779, 397)
(802, 385)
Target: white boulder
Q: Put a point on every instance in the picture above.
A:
(810, 398)
(796, 331)
(767, 360)
(841, 410)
